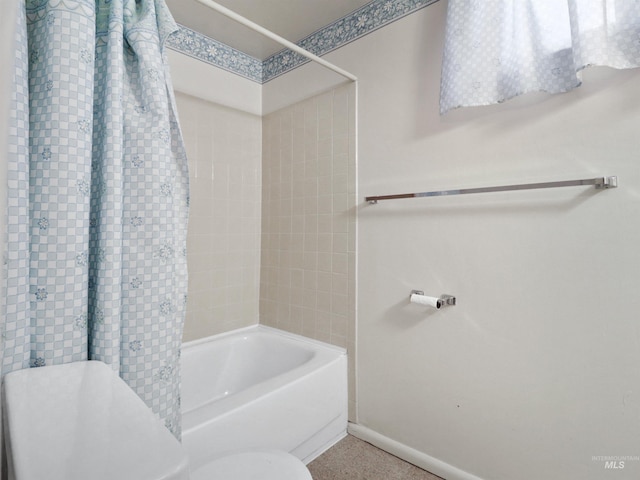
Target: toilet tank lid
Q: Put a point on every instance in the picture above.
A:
(80, 420)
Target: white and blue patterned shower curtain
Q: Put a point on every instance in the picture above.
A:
(97, 196)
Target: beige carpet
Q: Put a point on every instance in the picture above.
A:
(353, 459)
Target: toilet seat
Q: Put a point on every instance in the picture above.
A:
(253, 465)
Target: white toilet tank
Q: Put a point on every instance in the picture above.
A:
(80, 421)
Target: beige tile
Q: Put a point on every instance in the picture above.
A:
(309, 299)
(324, 305)
(326, 186)
(310, 259)
(325, 165)
(339, 328)
(340, 305)
(337, 340)
(325, 105)
(306, 231)
(340, 243)
(324, 262)
(340, 164)
(340, 283)
(325, 242)
(323, 323)
(340, 263)
(325, 128)
(324, 281)
(310, 280)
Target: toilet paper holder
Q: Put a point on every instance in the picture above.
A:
(443, 300)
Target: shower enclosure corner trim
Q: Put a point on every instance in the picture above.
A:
(277, 38)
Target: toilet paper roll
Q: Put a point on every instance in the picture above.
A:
(425, 300)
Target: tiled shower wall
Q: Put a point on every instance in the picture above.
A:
(308, 221)
(224, 147)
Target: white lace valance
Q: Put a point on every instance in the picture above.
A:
(497, 49)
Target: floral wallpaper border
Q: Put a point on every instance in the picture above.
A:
(366, 19)
(216, 53)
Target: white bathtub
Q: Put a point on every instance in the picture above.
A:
(259, 387)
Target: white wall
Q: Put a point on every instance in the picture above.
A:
(201, 80)
(536, 370)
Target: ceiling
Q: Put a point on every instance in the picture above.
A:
(291, 19)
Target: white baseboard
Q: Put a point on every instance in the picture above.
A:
(422, 460)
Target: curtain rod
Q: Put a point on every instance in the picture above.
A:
(275, 37)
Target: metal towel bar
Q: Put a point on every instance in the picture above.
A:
(598, 182)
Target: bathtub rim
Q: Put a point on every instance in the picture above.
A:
(264, 328)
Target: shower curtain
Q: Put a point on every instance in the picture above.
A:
(97, 196)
